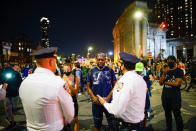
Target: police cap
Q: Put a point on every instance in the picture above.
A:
(127, 57)
(45, 53)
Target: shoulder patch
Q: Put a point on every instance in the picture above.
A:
(119, 86)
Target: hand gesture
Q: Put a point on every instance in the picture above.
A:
(101, 100)
(5, 86)
(165, 70)
(96, 100)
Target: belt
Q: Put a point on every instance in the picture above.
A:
(133, 125)
(120, 125)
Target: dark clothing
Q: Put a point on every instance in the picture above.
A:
(172, 105)
(25, 72)
(98, 111)
(171, 100)
(172, 91)
(75, 101)
(101, 80)
(193, 75)
(14, 80)
(120, 125)
(101, 83)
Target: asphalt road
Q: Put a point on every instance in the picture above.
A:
(157, 121)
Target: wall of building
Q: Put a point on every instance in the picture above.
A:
(129, 33)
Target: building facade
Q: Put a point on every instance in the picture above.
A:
(180, 17)
(20, 49)
(178, 14)
(137, 36)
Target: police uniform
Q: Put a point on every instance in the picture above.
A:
(129, 96)
(46, 104)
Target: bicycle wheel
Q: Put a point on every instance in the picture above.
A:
(183, 85)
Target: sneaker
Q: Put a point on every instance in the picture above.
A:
(11, 126)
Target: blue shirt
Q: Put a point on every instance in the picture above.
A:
(79, 74)
(101, 80)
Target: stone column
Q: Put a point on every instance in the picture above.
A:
(145, 37)
(137, 37)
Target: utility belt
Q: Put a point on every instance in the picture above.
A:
(121, 125)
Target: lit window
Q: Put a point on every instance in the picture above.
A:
(185, 0)
(187, 20)
(22, 48)
(19, 48)
(187, 26)
(179, 27)
(172, 34)
(191, 34)
(27, 49)
(19, 44)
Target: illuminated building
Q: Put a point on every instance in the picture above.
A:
(180, 18)
(45, 24)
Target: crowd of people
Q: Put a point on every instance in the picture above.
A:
(120, 90)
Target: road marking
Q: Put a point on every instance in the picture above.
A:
(185, 111)
(193, 106)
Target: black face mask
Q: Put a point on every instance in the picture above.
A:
(171, 65)
(67, 73)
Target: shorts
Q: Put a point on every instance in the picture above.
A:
(75, 105)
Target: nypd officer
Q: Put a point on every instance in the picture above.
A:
(129, 95)
(46, 104)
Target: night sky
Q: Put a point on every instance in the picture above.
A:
(75, 24)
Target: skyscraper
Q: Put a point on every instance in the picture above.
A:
(178, 14)
(45, 24)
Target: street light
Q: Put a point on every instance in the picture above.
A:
(139, 15)
(89, 49)
(110, 53)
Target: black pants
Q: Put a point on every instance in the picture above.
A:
(172, 104)
(192, 83)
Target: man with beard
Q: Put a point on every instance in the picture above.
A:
(100, 81)
(171, 80)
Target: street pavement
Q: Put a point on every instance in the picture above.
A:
(157, 121)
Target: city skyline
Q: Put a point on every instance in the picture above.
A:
(74, 25)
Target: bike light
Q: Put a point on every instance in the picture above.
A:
(8, 75)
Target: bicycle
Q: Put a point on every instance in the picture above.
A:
(186, 81)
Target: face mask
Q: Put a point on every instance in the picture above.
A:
(171, 64)
(67, 73)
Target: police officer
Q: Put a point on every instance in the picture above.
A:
(171, 80)
(100, 80)
(46, 104)
(129, 95)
